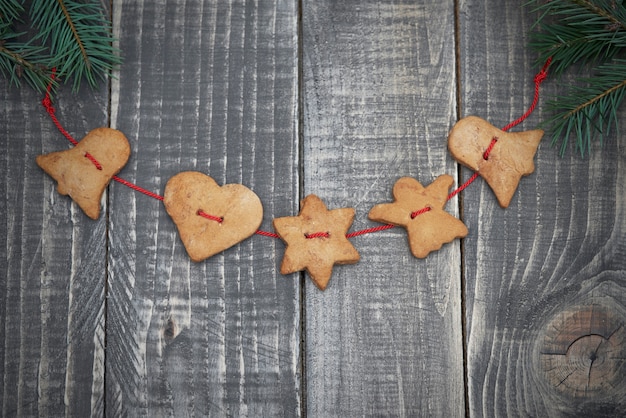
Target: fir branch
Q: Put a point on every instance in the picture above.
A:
(579, 31)
(79, 36)
(10, 10)
(74, 37)
(24, 62)
(589, 111)
(18, 60)
(588, 33)
(616, 23)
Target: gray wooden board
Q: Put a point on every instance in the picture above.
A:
(551, 266)
(52, 276)
(210, 87)
(215, 87)
(384, 339)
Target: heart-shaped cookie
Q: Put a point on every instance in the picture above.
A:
(84, 171)
(211, 218)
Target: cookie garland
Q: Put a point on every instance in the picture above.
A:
(212, 218)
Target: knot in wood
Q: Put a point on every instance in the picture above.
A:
(170, 331)
(584, 352)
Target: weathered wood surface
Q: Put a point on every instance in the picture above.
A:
(210, 87)
(379, 98)
(525, 317)
(53, 266)
(545, 279)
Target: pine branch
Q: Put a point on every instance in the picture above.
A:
(74, 37)
(579, 31)
(79, 36)
(588, 33)
(589, 111)
(10, 10)
(24, 62)
(18, 60)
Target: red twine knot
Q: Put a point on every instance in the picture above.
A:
(47, 103)
(543, 74)
(540, 76)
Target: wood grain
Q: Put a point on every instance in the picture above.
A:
(384, 339)
(111, 318)
(555, 255)
(53, 265)
(212, 87)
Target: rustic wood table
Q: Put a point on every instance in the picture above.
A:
(524, 317)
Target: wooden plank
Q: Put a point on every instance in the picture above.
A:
(53, 264)
(384, 339)
(212, 87)
(544, 287)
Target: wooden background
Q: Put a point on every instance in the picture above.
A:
(524, 317)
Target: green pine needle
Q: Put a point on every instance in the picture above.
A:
(583, 32)
(79, 37)
(24, 62)
(74, 37)
(589, 111)
(18, 60)
(10, 10)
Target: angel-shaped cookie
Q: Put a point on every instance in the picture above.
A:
(419, 209)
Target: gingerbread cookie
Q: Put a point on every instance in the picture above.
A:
(210, 218)
(420, 211)
(509, 158)
(316, 240)
(83, 172)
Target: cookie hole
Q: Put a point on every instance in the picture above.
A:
(317, 235)
(218, 219)
(420, 212)
(490, 148)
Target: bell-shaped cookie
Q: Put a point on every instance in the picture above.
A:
(510, 158)
(83, 172)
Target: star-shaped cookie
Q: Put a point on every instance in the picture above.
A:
(420, 211)
(316, 240)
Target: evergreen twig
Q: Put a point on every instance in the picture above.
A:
(80, 41)
(10, 10)
(589, 111)
(20, 60)
(589, 33)
(73, 36)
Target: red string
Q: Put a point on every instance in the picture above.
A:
(47, 104)
(420, 212)
(538, 79)
(369, 230)
(93, 160)
(137, 188)
(489, 148)
(317, 235)
(464, 185)
(267, 234)
(217, 219)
